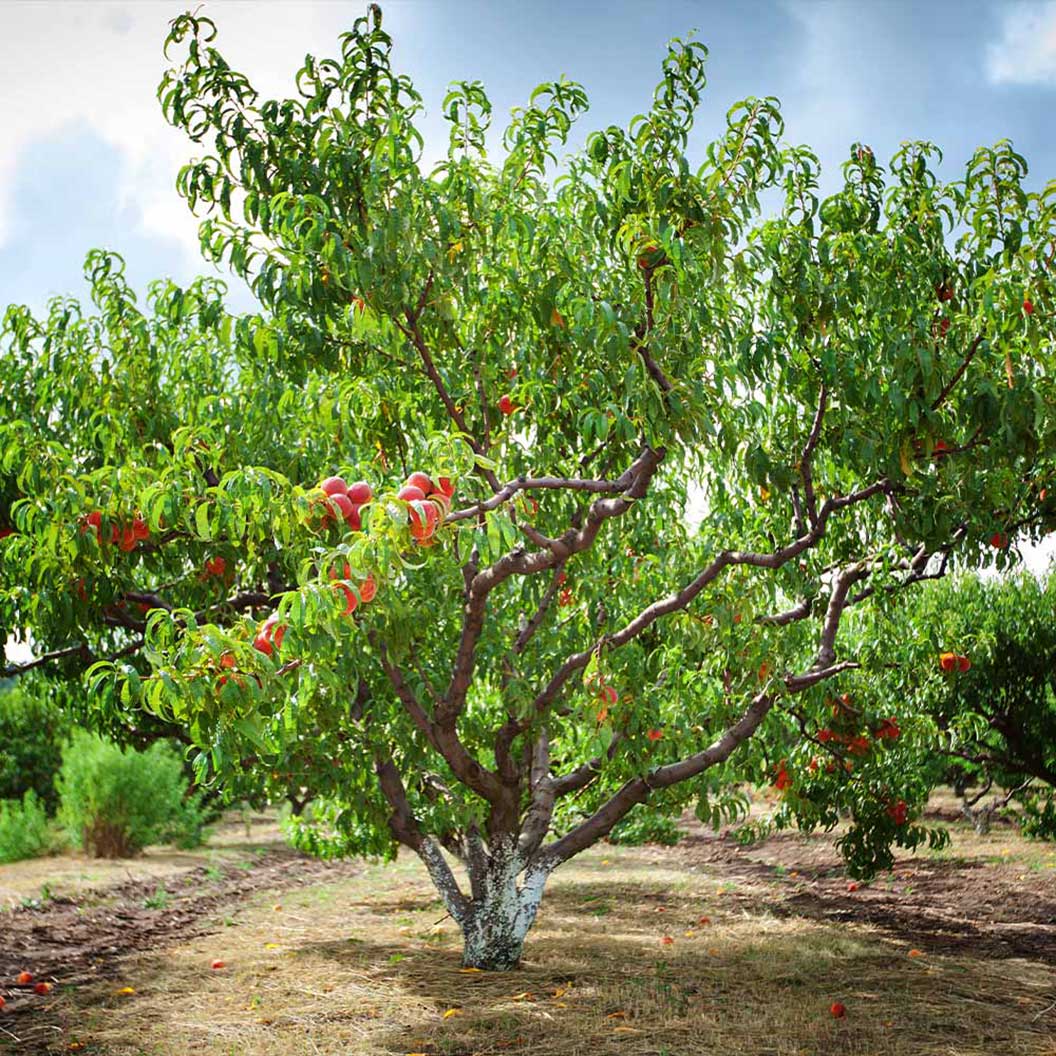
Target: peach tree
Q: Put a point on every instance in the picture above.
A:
(539, 485)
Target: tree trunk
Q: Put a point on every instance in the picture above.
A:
(502, 910)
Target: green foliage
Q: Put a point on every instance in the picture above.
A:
(1039, 815)
(645, 826)
(115, 801)
(846, 393)
(32, 728)
(24, 829)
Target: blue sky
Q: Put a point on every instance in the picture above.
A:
(86, 160)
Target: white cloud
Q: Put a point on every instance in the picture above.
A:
(98, 66)
(1025, 53)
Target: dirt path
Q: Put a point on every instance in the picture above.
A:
(72, 940)
(964, 902)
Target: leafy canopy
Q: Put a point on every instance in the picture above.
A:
(684, 436)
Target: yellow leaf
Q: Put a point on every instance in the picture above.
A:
(456, 248)
(557, 319)
(905, 458)
(560, 1004)
(125, 990)
(626, 1030)
(526, 996)
(271, 945)
(452, 1012)
(690, 934)
(470, 971)
(560, 991)
(764, 493)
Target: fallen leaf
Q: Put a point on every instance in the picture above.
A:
(605, 861)
(626, 1030)
(714, 952)
(452, 1012)
(271, 945)
(560, 991)
(689, 934)
(667, 941)
(470, 971)
(617, 1015)
(277, 909)
(126, 990)
(527, 995)
(560, 1004)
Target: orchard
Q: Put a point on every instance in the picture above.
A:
(543, 487)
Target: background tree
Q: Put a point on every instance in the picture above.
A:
(995, 723)
(854, 391)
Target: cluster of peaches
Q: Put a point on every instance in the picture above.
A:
(26, 979)
(125, 536)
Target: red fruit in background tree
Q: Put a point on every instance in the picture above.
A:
(5, 532)
(446, 487)
(420, 480)
(940, 447)
(825, 735)
(608, 694)
(963, 663)
(351, 601)
(262, 645)
(354, 520)
(506, 405)
(42, 988)
(24, 978)
(139, 528)
(272, 631)
(215, 566)
(343, 504)
(837, 1010)
(898, 812)
(948, 661)
(858, 745)
(94, 521)
(944, 292)
(409, 493)
(367, 589)
(944, 327)
(360, 492)
(887, 730)
(562, 578)
(128, 539)
(565, 597)
(655, 735)
(1028, 306)
(227, 660)
(511, 373)
(783, 779)
(334, 486)
(999, 540)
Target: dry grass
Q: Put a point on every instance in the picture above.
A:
(73, 873)
(363, 967)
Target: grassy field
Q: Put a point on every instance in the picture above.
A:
(702, 948)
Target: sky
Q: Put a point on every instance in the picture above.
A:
(86, 159)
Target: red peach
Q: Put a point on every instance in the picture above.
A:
(42, 988)
(446, 487)
(334, 486)
(343, 504)
(24, 978)
(351, 601)
(1028, 306)
(410, 493)
(367, 589)
(506, 404)
(419, 480)
(837, 1010)
(360, 492)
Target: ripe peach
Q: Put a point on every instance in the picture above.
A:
(410, 493)
(215, 566)
(419, 480)
(217, 965)
(24, 978)
(947, 661)
(227, 660)
(262, 645)
(360, 492)
(334, 486)
(506, 404)
(42, 988)
(1028, 306)
(655, 735)
(446, 487)
(351, 601)
(343, 504)
(367, 589)
(128, 539)
(837, 1010)
(999, 540)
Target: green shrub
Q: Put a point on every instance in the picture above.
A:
(642, 826)
(1038, 820)
(115, 801)
(23, 828)
(32, 729)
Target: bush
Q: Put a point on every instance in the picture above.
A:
(644, 827)
(1038, 820)
(32, 729)
(23, 828)
(115, 801)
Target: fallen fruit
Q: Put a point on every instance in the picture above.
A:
(217, 965)
(42, 988)
(837, 1010)
(24, 978)
(667, 940)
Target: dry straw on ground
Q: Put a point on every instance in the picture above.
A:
(367, 966)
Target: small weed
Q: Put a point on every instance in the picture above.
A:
(159, 900)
